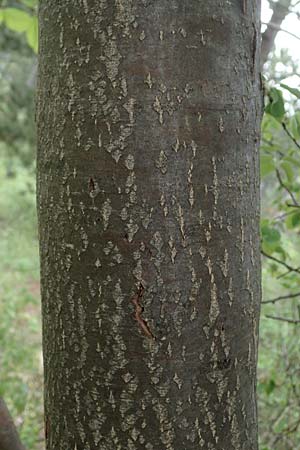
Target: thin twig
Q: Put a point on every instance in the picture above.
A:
(283, 216)
(282, 297)
(284, 186)
(282, 319)
(284, 274)
(290, 268)
(290, 135)
(292, 206)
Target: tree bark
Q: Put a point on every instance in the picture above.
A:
(148, 202)
(280, 11)
(9, 438)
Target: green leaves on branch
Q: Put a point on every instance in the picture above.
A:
(295, 125)
(293, 91)
(15, 19)
(293, 220)
(21, 22)
(271, 239)
(275, 106)
(269, 386)
(32, 34)
(267, 165)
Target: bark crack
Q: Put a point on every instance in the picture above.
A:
(139, 311)
(91, 184)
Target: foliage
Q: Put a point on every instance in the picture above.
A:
(279, 362)
(280, 163)
(20, 327)
(17, 129)
(22, 20)
(17, 86)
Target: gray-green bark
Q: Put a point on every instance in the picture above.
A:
(148, 196)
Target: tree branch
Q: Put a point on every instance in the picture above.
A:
(282, 319)
(283, 185)
(280, 11)
(290, 135)
(278, 261)
(282, 297)
(278, 28)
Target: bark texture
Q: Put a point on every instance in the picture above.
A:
(148, 195)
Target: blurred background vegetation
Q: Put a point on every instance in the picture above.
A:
(20, 325)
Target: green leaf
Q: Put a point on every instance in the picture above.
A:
(288, 168)
(275, 106)
(270, 386)
(296, 187)
(21, 21)
(293, 161)
(15, 19)
(295, 124)
(296, 219)
(271, 238)
(278, 249)
(293, 91)
(269, 124)
(270, 234)
(32, 34)
(293, 220)
(267, 165)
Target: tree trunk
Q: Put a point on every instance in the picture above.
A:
(9, 438)
(148, 200)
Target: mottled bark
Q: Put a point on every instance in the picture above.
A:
(280, 11)
(148, 195)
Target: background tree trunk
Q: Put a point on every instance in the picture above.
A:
(148, 196)
(280, 11)
(9, 438)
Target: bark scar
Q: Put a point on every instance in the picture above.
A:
(91, 184)
(254, 49)
(46, 429)
(138, 312)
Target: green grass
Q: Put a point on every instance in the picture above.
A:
(20, 327)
